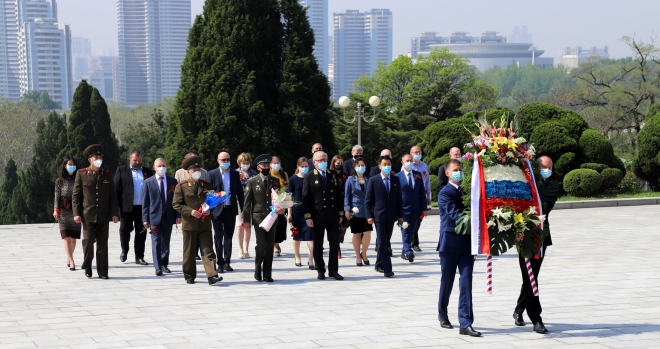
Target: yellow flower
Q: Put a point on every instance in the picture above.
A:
(501, 140)
(511, 144)
(518, 218)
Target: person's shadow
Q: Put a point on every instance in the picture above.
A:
(559, 330)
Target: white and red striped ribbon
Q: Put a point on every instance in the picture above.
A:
(489, 274)
(532, 280)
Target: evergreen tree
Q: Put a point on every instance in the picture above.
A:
(80, 131)
(41, 99)
(304, 90)
(148, 139)
(8, 184)
(102, 131)
(228, 99)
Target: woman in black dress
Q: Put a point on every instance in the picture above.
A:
(63, 213)
(356, 187)
(337, 165)
(280, 231)
(297, 217)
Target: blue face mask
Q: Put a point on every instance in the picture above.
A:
(408, 166)
(303, 170)
(546, 173)
(457, 176)
(360, 169)
(417, 157)
(386, 169)
(71, 168)
(224, 165)
(323, 166)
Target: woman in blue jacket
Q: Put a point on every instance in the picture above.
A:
(356, 186)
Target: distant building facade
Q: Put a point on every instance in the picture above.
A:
(573, 56)
(360, 41)
(9, 65)
(153, 38)
(317, 13)
(103, 77)
(423, 43)
(520, 35)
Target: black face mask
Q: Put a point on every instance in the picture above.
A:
(265, 171)
(136, 166)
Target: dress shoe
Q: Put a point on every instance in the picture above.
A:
(359, 264)
(268, 279)
(88, 272)
(446, 324)
(141, 261)
(159, 273)
(122, 257)
(518, 319)
(198, 258)
(220, 269)
(411, 257)
(257, 276)
(214, 279)
(389, 275)
(298, 264)
(166, 270)
(321, 276)
(539, 327)
(310, 266)
(470, 332)
(228, 267)
(190, 281)
(417, 249)
(336, 276)
(403, 256)
(379, 269)
(104, 277)
(67, 265)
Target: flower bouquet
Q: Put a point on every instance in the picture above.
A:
(354, 211)
(280, 200)
(403, 225)
(212, 200)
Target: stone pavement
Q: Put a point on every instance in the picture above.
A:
(599, 289)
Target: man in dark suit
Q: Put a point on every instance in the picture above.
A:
(315, 148)
(413, 194)
(384, 206)
(376, 169)
(356, 152)
(455, 252)
(129, 181)
(323, 208)
(258, 201)
(158, 214)
(548, 189)
(443, 180)
(224, 215)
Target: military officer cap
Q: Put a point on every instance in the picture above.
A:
(93, 150)
(262, 159)
(191, 162)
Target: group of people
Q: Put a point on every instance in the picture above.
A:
(331, 195)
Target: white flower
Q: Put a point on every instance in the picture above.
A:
(532, 209)
(497, 212)
(491, 223)
(509, 154)
(520, 140)
(356, 210)
(405, 225)
(482, 152)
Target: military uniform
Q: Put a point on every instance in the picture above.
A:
(257, 206)
(95, 201)
(188, 196)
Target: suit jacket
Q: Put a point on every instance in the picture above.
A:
(188, 196)
(443, 180)
(380, 205)
(152, 207)
(124, 183)
(258, 199)
(348, 167)
(322, 198)
(94, 197)
(549, 190)
(235, 188)
(450, 205)
(414, 198)
(354, 195)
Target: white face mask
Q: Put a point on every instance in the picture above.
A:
(245, 167)
(276, 167)
(196, 175)
(161, 171)
(98, 163)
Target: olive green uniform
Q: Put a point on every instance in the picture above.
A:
(188, 196)
(257, 207)
(95, 201)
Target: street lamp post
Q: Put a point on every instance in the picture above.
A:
(344, 101)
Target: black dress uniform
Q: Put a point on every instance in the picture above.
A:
(95, 201)
(322, 203)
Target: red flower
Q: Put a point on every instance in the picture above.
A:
(503, 149)
(294, 231)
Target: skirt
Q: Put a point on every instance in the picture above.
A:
(281, 229)
(360, 225)
(68, 233)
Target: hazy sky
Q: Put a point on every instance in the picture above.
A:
(553, 23)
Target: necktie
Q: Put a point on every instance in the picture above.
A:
(410, 182)
(162, 193)
(323, 174)
(387, 184)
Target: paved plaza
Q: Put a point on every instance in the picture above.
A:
(599, 288)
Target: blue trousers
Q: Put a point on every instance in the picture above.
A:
(160, 245)
(383, 237)
(408, 233)
(464, 262)
(223, 228)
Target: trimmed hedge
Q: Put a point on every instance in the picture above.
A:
(441, 136)
(582, 182)
(611, 177)
(536, 114)
(552, 139)
(646, 164)
(594, 147)
(594, 166)
(566, 163)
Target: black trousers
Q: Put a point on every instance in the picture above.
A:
(96, 233)
(128, 222)
(263, 259)
(318, 234)
(415, 238)
(383, 238)
(223, 233)
(527, 300)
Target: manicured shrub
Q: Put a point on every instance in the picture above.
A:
(566, 163)
(552, 139)
(582, 182)
(646, 164)
(441, 136)
(434, 187)
(594, 166)
(594, 147)
(611, 177)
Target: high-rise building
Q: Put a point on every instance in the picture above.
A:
(317, 12)
(153, 38)
(102, 77)
(360, 41)
(45, 59)
(573, 56)
(520, 35)
(81, 46)
(9, 67)
(423, 43)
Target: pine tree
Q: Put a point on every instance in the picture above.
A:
(102, 131)
(8, 184)
(148, 139)
(228, 99)
(80, 131)
(304, 91)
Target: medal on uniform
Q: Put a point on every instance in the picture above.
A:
(316, 182)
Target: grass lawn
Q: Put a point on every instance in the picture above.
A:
(646, 194)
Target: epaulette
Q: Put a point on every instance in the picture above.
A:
(183, 181)
(82, 169)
